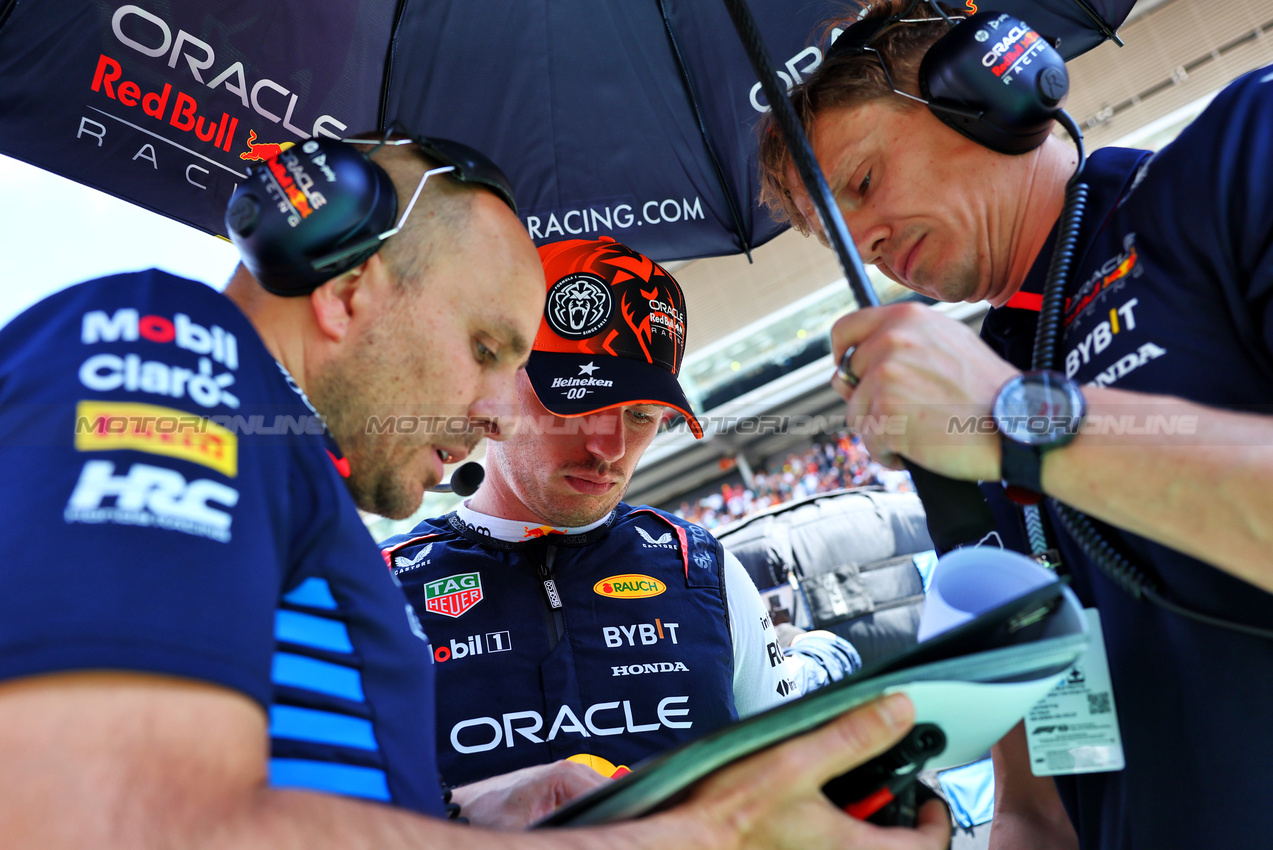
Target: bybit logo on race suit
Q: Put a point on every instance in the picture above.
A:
(474, 645)
(151, 496)
(480, 734)
(646, 634)
(1121, 319)
(453, 595)
(629, 586)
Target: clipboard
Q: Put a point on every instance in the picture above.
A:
(974, 682)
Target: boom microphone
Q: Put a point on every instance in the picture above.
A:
(464, 481)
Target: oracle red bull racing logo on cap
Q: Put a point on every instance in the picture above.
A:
(453, 595)
(629, 586)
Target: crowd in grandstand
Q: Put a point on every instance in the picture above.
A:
(832, 465)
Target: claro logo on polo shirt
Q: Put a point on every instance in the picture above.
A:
(629, 586)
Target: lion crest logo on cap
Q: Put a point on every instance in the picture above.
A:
(578, 306)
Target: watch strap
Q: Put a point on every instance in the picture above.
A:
(1021, 466)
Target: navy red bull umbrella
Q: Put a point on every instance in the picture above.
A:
(625, 118)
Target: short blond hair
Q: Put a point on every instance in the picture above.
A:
(843, 82)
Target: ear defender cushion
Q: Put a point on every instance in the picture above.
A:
(996, 64)
(308, 201)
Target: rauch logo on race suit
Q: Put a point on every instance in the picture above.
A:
(453, 595)
(629, 586)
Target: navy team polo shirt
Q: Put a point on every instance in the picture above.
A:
(1173, 294)
(170, 508)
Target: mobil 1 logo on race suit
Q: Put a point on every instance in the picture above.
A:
(609, 650)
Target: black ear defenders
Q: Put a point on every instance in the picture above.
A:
(311, 200)
(991, 78)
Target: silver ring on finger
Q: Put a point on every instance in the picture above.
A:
(845, 372)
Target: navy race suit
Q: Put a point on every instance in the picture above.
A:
(608, 646)
(170, 508)
(1173, 294)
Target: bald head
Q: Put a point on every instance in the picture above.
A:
(442, 214)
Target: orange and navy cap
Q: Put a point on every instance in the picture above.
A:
(613, 331)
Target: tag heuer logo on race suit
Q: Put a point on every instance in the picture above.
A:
(629, 586)
(453, 595)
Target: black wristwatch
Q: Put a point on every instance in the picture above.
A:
(1035, 412)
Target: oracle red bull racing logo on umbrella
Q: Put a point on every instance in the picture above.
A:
(263, 151)
(453, 595)
(629, 586)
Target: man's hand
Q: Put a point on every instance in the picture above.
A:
(923, 378)
(774, 799)
(518, 799)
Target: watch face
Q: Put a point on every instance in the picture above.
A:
(1039, 409)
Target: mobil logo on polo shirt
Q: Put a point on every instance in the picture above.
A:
(629, 586)
(128, 325)
(453, 595)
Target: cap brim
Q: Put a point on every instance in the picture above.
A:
(599, 381)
